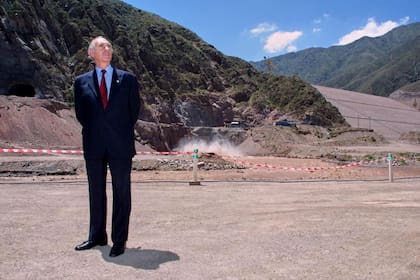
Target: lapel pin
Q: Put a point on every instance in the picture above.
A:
(118, 81)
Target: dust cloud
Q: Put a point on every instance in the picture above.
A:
(219, 147)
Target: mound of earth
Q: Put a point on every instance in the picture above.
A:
(37, 123)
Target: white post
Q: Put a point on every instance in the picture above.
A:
(195, 181)
(390, 173)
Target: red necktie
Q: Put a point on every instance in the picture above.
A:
(102, 89)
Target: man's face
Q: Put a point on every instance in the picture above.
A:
(102, 53)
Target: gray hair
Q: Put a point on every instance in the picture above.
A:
(93, 44)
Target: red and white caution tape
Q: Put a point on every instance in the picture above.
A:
(310, 169)
(51, 151)
(40, 151)
(171, 153)
(241, 162)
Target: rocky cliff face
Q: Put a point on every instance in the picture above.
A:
(33, 58)
(184, 81)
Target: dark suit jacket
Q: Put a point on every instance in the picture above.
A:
(107, 132)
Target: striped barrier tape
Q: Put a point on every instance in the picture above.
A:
(241, 162)
(383, 160)
(40, 151)
(79, 152)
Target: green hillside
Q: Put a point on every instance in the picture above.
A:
(377, 66)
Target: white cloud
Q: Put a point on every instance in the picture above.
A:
(274, 40)
(371, 29)
(280, 40)
(315, 30)
(404, 20)
(263, 28)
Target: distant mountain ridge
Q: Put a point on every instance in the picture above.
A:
(377, 66)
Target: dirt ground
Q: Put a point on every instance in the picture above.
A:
(257, 218)
(217, 230)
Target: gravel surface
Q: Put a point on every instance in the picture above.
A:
(218, 230)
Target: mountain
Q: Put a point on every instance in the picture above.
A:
(184, 81)
(377, 66)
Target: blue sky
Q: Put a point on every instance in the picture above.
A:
(252, 29)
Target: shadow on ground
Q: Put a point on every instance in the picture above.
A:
(148, 259)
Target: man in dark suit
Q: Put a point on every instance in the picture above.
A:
(107, 105)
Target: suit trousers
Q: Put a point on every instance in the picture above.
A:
(121, 193)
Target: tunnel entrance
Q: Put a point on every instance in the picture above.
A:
(23, 90)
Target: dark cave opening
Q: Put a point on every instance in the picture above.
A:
(23, 90)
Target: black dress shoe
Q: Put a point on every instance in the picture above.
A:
(89, 244)
(116, 250)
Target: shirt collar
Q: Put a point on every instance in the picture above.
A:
(108, 69)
